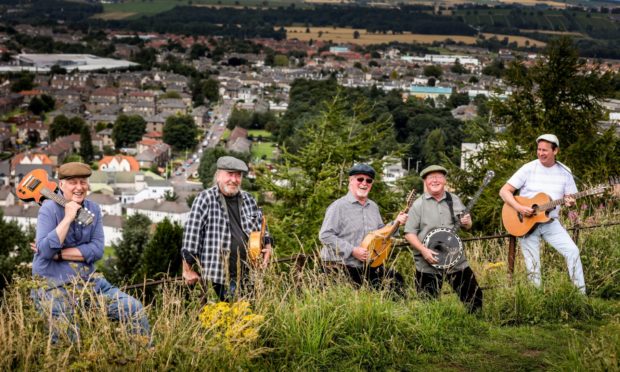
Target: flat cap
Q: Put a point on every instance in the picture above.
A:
(551, 138)
(73, 170)
(362, 169)
(433, 168)
(230, 163)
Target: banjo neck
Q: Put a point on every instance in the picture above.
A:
(485, 182)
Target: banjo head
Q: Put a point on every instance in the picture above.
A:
(447, 244)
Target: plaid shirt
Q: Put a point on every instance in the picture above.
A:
(207, 231)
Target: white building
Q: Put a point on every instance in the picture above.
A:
(112, 229)
(25, 215)
(109, 204)
(157, 210)
(70, 62)
(443, 59)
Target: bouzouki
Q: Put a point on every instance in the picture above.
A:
(256, 243)
(445, 241)
(379, 242)
(518, 224)
(36, 186)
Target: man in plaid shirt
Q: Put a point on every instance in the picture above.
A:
(217, 231)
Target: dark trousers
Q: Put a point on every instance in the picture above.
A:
(376, 277)
(463, 282)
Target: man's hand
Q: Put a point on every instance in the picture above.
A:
(569, 200)
(466, 220)
(360, 253)
(525, 210)
(429, 255)
(33, 247)
(402, 218)
(266, 255)
(71, 209)
(191, 277)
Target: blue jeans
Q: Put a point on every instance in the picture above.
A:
(60, 303)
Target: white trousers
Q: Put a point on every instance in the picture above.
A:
(554, 234)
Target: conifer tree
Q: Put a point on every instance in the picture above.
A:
(162, 253)
(86, 145)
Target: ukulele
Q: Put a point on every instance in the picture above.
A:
(36, 186)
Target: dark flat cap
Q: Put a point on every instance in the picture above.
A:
(73, 170)
(433, 168)
(230, 163)
(362, 169)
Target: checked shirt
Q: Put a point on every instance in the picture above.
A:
(207, 231)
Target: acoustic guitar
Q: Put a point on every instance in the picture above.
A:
(36, 186)
(255, 243)
(379, 243)
(518, 224)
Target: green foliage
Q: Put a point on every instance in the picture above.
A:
(558, 96)
(495, 68)
(458, 68)
(129, 250)
(63, 126)
(25, 81)
(433, 70)
(306, 182)
(127, 130)
(210, 90)
(87, 151)
(458, 99)
(161, 254)
(251, 120)
(14, 250)
(180, 132)
(171, 94)
(40, 105)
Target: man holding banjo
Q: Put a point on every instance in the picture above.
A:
(437, 211)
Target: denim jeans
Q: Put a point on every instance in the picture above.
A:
(60, 303)
(558, 238)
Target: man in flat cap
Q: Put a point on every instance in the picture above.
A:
(439, 208)
(546, 175)
(217, 232)
(347, 221)
(66, 249)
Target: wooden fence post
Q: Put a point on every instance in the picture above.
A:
(512, 248)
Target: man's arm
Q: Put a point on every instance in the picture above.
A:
(329, 234)
(507, 194)
(428, 254)
(192, 238)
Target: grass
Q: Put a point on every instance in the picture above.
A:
(309, 321)
(263, 149)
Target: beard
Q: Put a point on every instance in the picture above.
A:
(229, 189)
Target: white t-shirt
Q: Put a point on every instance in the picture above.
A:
(534, 177)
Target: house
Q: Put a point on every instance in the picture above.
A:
(393, 171)
(112, 229)
(5, 172)
(424, 92)
(118, 163)
(154, 154)
(172, 106)
(62, 147)
(106, 137)
(131, 187)
(30, 158)
(109, 204)
(157, 210)
(6, 196)
(23, 169)
(25, 215)
(155, 123)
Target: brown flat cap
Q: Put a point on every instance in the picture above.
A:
(73, 170)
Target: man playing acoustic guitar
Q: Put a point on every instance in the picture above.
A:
(347, 221)
(545, 175)
(217, 232)
(438, 208)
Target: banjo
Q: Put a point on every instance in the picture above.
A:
(445, 241)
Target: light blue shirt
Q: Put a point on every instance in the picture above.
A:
(88, 239)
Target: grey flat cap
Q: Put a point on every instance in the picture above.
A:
(362, 169)
(551, 138)
(433, 168)
(230, 163)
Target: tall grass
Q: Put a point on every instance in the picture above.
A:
(314, 322)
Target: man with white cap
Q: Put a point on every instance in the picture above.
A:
(217, 232)
(552, 178)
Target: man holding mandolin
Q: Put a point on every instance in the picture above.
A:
(347, 221)
(218, 231)
(544, 175)
(437, 208)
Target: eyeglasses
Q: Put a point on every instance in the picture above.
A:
(437, 177)
(362, 179)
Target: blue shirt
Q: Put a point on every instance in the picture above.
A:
(88, 239)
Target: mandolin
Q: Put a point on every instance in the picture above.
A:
(36, 186)
(518, 224)
(379, 242)
(255, 243)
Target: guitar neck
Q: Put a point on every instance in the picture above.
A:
(554, 203)
(53, 196)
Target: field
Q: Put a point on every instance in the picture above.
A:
(345, 35)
